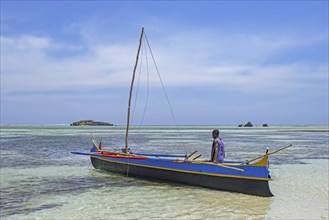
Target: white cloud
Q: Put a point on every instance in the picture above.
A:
(185, 59)
(28, 65)
(26, 43)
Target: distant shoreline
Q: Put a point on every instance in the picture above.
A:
(215, 126)
(302, 130)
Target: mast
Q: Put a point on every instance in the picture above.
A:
(131, 89)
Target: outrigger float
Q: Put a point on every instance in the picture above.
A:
(249, 177)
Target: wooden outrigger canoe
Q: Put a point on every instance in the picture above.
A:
(250, 177)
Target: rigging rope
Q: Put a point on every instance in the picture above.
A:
(138, 83)
(139, 76)
(148, 87)
(147, 93)
(165, 92)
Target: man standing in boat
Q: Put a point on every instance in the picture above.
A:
(217, 151)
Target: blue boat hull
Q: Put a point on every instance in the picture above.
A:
(204, 175)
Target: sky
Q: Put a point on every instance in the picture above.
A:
(221, 62)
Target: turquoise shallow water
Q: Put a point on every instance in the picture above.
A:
(40, 179)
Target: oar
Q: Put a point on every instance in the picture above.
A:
(191, 154)
(93, 137)
(95, 142)
(233, 168)
(196, 157)
(218, 164)
(248, 161)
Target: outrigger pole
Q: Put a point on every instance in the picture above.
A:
(267, 154)
(131, 90)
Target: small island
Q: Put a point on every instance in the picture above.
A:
(249, 124)
(90, 123)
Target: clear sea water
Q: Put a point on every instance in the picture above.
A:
(40, 179)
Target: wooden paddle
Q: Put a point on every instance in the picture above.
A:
(196, 157)
(191, 154)
(94, 142)
(248, 161)
(233, 168)
(218, 164)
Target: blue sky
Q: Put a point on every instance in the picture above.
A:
(221, 62)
